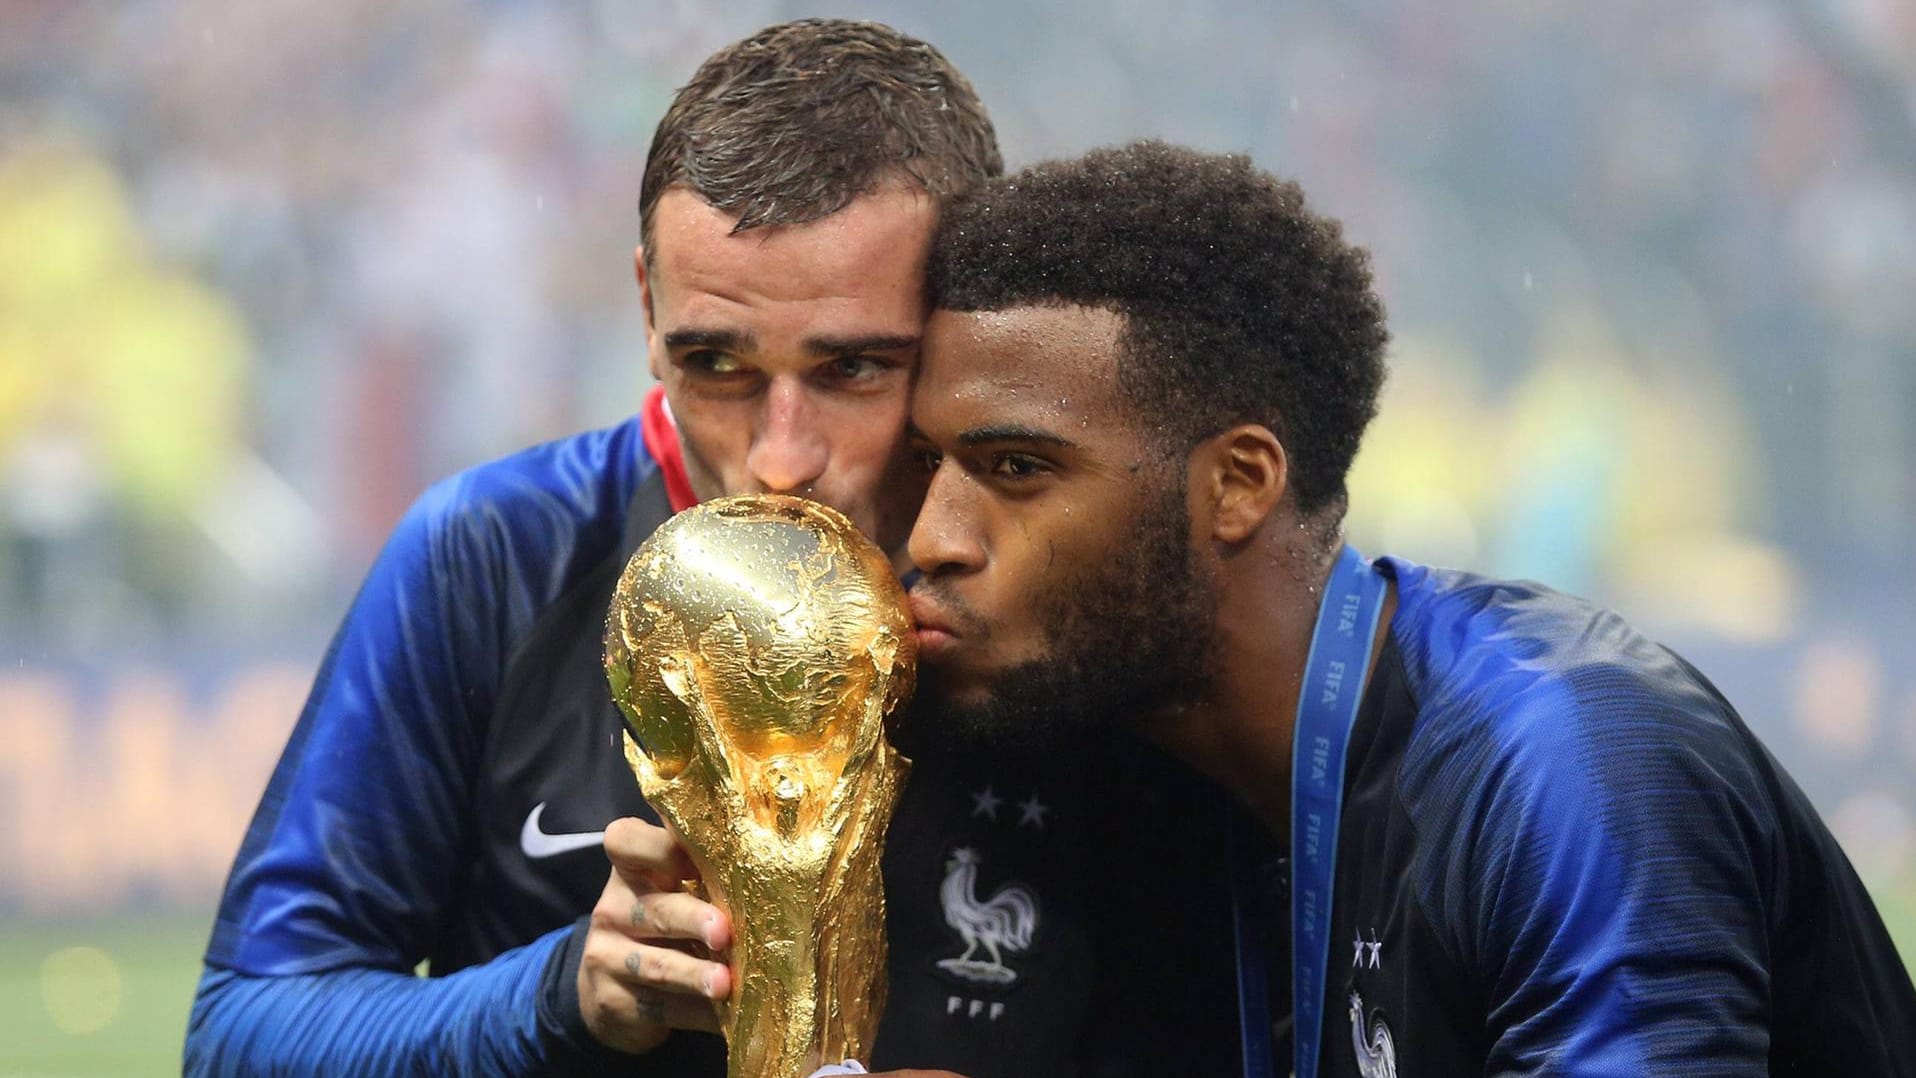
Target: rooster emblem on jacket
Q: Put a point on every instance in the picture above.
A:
(1004, 922)
(1376, 1056)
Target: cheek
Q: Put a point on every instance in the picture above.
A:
(1024, 581)
(1059, 566)
(715, 435)
(869, 440)
(868, 458)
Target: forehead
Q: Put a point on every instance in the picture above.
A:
(872, 249)
(1049, 366)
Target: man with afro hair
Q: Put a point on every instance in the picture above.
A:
(1521, 837)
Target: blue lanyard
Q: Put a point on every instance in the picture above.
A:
(1327, 704)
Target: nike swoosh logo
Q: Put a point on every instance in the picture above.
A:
(536, 843)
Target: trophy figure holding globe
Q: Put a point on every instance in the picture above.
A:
(757, 646)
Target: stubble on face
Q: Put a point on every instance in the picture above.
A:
(1124, 639)
(789, 306)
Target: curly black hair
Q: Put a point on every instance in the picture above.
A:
(1240, 304)
(794, 122)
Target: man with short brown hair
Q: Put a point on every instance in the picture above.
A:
(793, 123)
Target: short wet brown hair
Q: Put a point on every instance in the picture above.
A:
(1241, 304)
(793, 123)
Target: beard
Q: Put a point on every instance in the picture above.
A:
(1125, 638)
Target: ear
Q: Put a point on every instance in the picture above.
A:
(1240, 477)
(654, 355)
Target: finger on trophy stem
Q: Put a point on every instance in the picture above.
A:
(644, 856)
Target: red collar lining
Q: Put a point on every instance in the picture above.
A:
(662, 442)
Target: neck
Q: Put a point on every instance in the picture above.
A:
(1239, 734)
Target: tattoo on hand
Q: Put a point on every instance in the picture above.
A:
(638, 915)
(651, 1008)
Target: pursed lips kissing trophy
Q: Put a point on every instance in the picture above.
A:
(757, 646)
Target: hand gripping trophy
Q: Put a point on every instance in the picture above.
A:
(757, 645)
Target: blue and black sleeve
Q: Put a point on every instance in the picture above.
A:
(354, 854)
(1619, 893)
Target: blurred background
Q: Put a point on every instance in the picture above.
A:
(268, 269)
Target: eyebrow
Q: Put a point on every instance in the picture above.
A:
(725, 340)
(827, 347)
(1001, 433)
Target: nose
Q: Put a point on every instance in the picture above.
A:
(789, 449)
(944, 540)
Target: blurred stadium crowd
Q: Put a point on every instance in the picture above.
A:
(266, 270)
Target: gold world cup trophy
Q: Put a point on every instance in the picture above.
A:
(757, 645)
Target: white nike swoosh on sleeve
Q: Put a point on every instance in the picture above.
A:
(536, 843)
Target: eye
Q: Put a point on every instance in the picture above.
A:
(1016, 466)
(856, 368)
(711, 361)
(927, 459)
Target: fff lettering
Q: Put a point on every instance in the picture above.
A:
(1320, 758)
(1313, 826)
(974, 1008)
